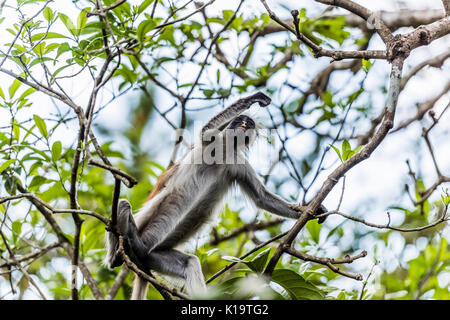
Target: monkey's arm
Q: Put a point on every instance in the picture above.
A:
(224, 117)
(264, 199)
(250, 184)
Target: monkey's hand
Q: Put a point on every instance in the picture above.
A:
(261, 98)
(302, 209)
(321, 210)
(296, 207)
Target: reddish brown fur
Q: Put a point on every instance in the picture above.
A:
(162, 181)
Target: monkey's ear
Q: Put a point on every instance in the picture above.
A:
(261, 98)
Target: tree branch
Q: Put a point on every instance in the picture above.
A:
(329, 262)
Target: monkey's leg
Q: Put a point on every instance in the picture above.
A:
(112, 241)
(126, 227)
(140, 244)
(177, 263)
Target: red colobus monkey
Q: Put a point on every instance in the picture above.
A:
(188, 193)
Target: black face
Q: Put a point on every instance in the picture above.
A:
(244, 122)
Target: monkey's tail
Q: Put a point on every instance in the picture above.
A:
(139, 289)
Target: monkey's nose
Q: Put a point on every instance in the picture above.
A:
(243, 126)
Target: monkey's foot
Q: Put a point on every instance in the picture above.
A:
(302, 209)
(321, 210)
(123, 216)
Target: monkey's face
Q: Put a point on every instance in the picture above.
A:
(242, 122)
(243, 129)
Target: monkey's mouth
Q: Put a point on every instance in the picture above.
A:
(244, 127)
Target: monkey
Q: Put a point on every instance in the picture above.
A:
(188, 193)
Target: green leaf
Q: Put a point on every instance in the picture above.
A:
(214, 20)
(327, 99)
(39, 60)
(61, 69)
(16, 226)
(6, 164)
(258, 263)
(16, 130)
(64, 47)
(208, 92)
(337, 151)
(366, 64)
(168, 35)
(314, 230)
(227, 14)
(144, 5)
(56, 151)
(15, 85)
(2, 94)
(51, 47)
(48, 14)
(445, 199)
(297, 287)
(81, 21)
(48, 35)
(26, 93)
(346, 149)
(36, 182)
(68, 23)
(92, 27)
(357, 149)
(41, 125)
(144, 27)
(292, 106)
(232, 259)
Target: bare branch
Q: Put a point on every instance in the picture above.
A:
(329, 262)
(103, 11)
(256, 248)
(118, 282)
(424, 35)
(333, 178)
(31, 256)
(393, 20)
(444, 217)
(364, 13)
(435, 62)
(446, 4)
(422, 109)
(249, 227)
(320, 51)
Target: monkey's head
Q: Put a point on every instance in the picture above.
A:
(242, 122)
(243, 130)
